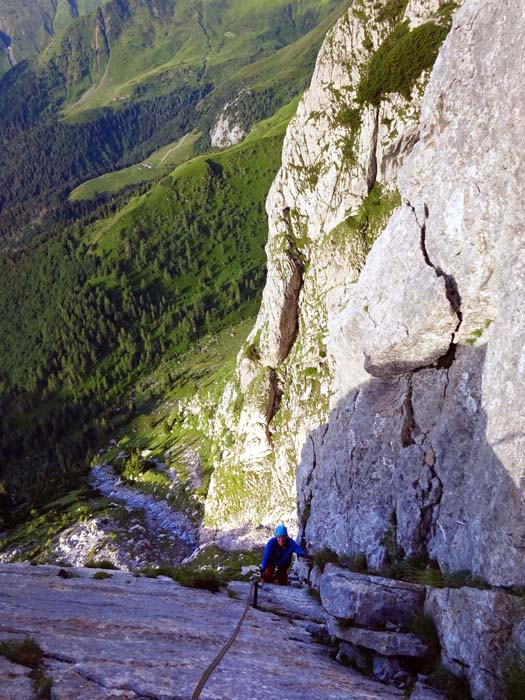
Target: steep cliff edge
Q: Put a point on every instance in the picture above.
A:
(333, 195)
(393, 367)
(382, 384)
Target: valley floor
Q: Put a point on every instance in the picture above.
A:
(134, 638)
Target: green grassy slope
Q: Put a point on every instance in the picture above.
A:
(162, 161)
(158, 163)
(89, 314)
(204, 41)
(133, 77)
(28, 26)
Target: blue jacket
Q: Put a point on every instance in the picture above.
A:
(280, 557)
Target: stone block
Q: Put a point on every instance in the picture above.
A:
(478, 631)
(350, 655)
(369, 601)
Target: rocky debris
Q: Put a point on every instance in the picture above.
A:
(350, 655)
(133, 531)
(387, 670)
(160, 518)
(192, 462)
(123, 541)
(480, 633)
(226, 130)
(135, 638)
(89, 539)
(370, 601)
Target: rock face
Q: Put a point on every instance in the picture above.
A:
(333, 195)
(391, 372)
(481, 632)
(135, 638)
(369, 601)
(443, 438)
(382, 383)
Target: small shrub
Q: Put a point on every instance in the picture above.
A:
(325, 556)
(424, 627)
(458, 579)
(42, 685)
(162, 570)
(100, 575)
(313, 593)
(392, 11)
(208, 581)
(399, 61)
(514, 679)
(356, 563)
(26, 653)
(102, 564)
(253, 353)
(350, 118)
(453, 687)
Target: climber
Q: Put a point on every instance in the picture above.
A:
(278, 556)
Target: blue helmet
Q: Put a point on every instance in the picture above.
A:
(281, 531)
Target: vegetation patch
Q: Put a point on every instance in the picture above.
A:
(424, 627)
(453, 687)
(211, 569)
(143, 285)
(392, 11)
(400, 60)
(101, 575)
(429, 574)
(102, 564)
(325, 556)
(28, 653)
(514, 678)
(359, 231)
(34, 538)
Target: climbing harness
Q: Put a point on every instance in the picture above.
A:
(252, 595)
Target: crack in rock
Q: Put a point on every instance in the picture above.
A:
(428, 495)
(140, 695)
(371, 174)
(451, 290)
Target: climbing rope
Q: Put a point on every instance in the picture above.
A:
(216, 661)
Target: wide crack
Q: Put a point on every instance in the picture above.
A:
(430, 497)
(371, 174)
(451, 290)
(289, 322)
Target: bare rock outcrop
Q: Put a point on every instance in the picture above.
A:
(136, 638)
(332, 196)
(436, 455)
(481, 633)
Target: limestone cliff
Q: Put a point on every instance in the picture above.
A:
(333, 195)
(391, 371)
(381, 389)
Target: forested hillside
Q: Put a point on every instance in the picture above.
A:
(26, 26)
(132, 76)
(95, 292)
(95, 307)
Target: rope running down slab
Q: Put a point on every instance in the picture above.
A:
(216, 661)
